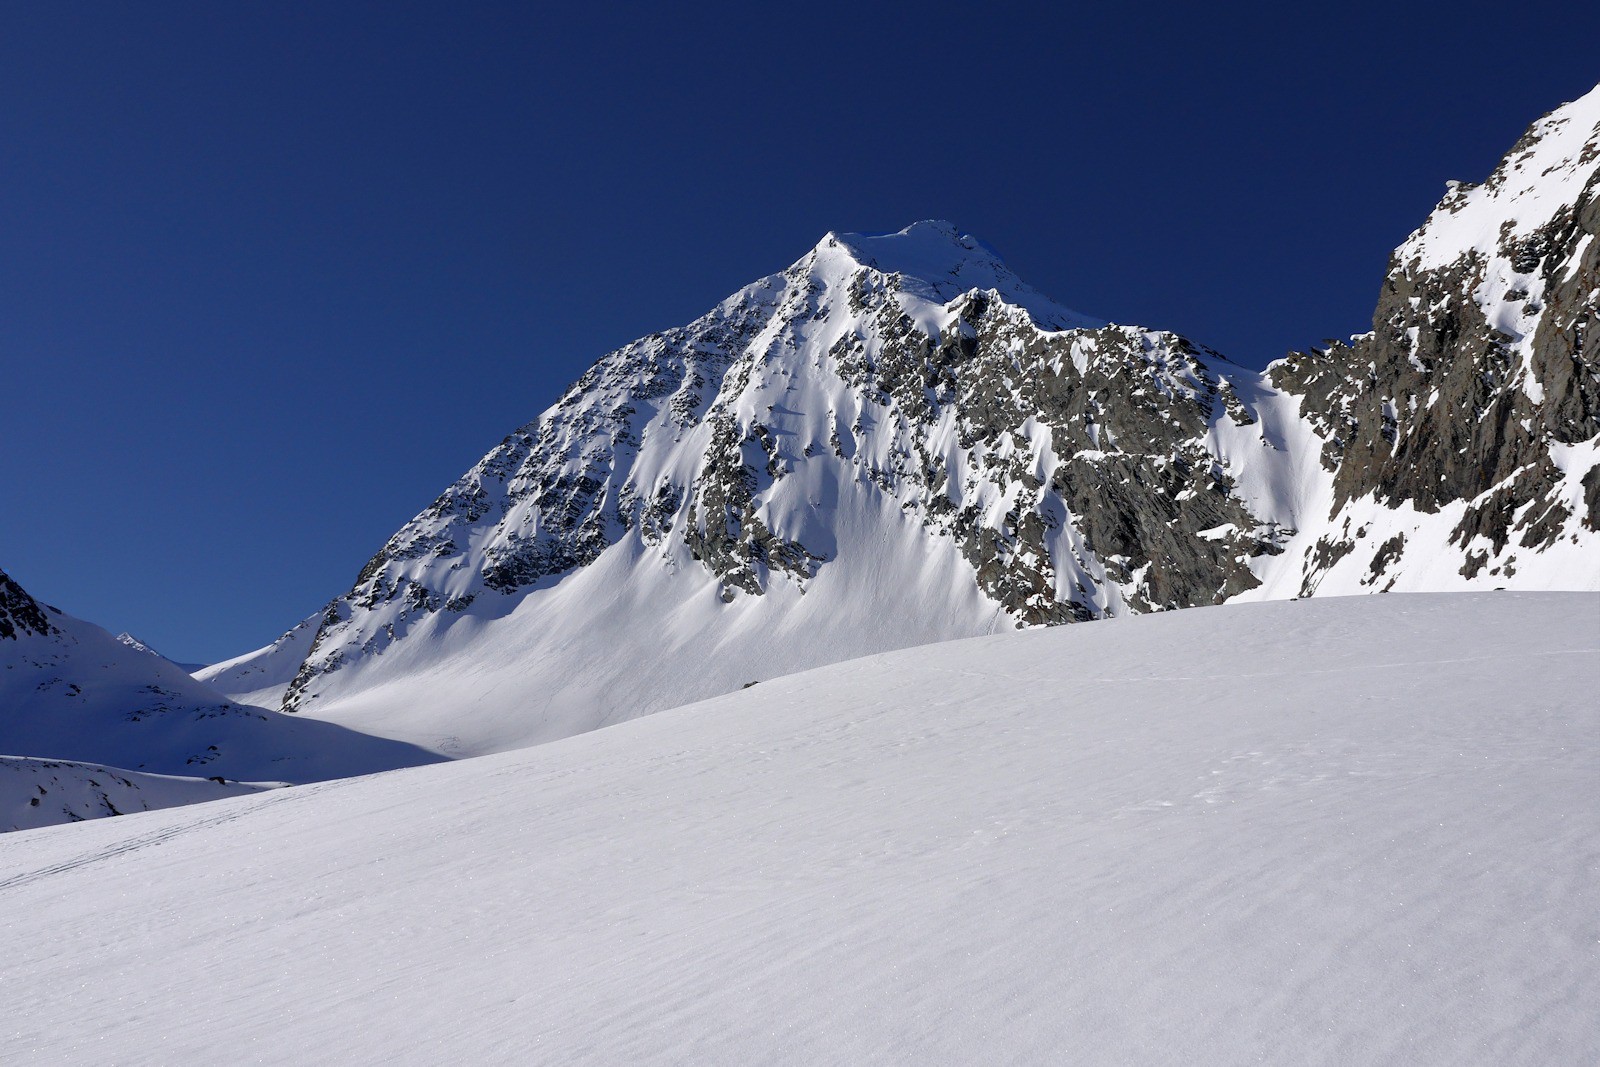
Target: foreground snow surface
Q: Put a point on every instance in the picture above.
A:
(1346, 830)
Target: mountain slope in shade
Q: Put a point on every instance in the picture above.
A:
(1345, 830)
(36, 792)
(69, 691)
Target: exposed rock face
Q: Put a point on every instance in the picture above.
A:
(891, 407)
(1482, 370)
(19, 612)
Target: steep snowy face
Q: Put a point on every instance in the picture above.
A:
(1518, 215)
(1460, 434)
(888, 404)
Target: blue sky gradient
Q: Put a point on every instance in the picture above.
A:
(273, 275)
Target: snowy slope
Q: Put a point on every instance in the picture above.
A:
(1353, 830)
(262, 677)
(37, 792)
(134, 643)
(69, 691)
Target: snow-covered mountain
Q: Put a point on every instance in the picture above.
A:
(893, 442)
(71, 694)
(134, 643)
(897, 441)
(1344, 830)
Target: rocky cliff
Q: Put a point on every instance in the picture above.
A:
(1461, 428)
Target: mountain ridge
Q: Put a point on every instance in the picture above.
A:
(704, 466)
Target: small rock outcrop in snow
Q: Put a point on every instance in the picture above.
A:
(20, 615)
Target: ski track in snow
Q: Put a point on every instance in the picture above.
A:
(1353, 830)
(207, 816)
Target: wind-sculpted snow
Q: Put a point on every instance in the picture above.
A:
(1342, 831)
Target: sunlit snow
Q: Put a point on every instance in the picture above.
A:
(1354, 830)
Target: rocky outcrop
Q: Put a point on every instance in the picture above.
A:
(1483, 360)
(19, 612)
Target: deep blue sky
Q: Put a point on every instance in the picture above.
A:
(272, 275)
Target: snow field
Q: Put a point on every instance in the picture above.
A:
(1332, 831)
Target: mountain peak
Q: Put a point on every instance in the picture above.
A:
(896, 440)
(1543, 175)
(946, 263)
(930, 247)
